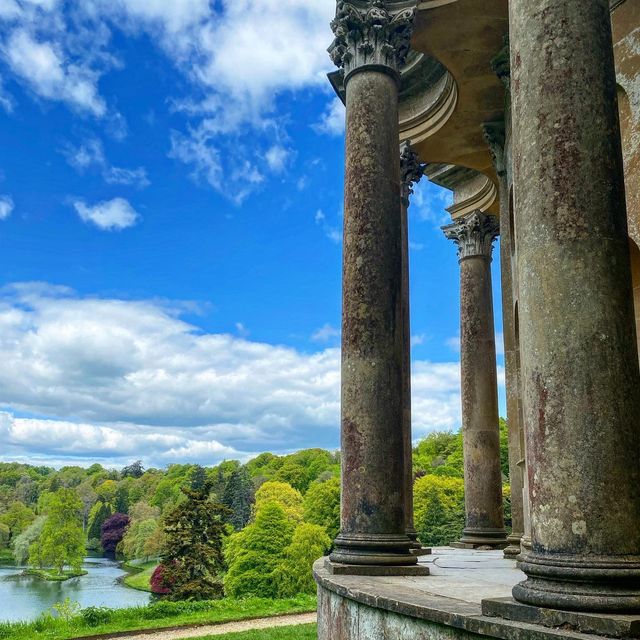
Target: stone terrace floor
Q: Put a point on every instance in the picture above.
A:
(467, 575)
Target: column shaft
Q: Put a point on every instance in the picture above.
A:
(581, 384)
(481, 437)
(370, 43)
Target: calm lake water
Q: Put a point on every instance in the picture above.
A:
(25, 597)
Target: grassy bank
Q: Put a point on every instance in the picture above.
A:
(97, 620)
(298, 632)
(140, 575)
(54, 576)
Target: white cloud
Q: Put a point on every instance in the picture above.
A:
(335, 235)
(110, 215)
(6, 207)
(332, 121)
(42, 65)
(418, 339)
(91, 154)
(242, 331)
(326, 333)
(319, 217)
(115, 377)
(453, 343)
(277, 158)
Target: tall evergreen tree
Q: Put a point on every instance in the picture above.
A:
(193, 557)
(238, 498)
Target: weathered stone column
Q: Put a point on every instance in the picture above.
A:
(495, 136)
(577, 332)
(411, 171)
(370, 45)
(474, 234)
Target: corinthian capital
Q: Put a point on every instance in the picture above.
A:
(367, 34)
(474, 234)
(411, 171)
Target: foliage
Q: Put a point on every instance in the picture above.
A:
(238, 497)
(322, 505)
(99, 513)
(24, 541)
(18, 517)
(440, 453)
(61, 541)
(254, 554)
(193, 557)
(504, 448)
(112, 531)
(134, 470)
(439, 509)
(159, 582)
(294, 575)
(283, 495)
(162, 614)
(67, 609)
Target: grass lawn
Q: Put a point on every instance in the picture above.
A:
(298, 632)
(155, 616)
(140, 579)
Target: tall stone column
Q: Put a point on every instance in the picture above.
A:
(495, 137)
(577, 331)
(411, 171)
(370, 45)
(474, 235)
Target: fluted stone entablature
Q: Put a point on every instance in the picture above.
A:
(368, 35)
(474, 235)
(371, 44)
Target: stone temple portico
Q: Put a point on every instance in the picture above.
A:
(529, 113)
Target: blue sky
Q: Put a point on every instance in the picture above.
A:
(170, 233)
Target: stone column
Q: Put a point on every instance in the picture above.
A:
(495, 137)
(370, 45)
(411, 171)
(474, 234)
(581, 384)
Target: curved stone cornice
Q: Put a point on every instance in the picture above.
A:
(473, 234)
(370, 35)
(411, 171)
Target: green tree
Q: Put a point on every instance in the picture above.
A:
(282, 494)
(23, 542)
(254, 554)
(17, 518)
(294, 574)
(61, 542)
(98, 514)
(193, 559)
(238, 497)
(439, 509)
(322, 505)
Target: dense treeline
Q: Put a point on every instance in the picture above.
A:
(249, 529)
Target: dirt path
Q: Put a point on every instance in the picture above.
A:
(219, 629)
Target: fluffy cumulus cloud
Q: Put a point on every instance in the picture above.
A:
(120, 379)
(110, 215)
(237, 57)
(332, 121)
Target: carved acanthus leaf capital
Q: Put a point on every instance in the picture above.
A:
(473, 234)
(368, 34)
(411, 171)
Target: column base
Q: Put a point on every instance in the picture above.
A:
(601, 624)
(422, 551)
(590, 583)
(512, 551)
(373, 550)
(339, 569)
(476, 538)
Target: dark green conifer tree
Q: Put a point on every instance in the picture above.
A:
(238, 497)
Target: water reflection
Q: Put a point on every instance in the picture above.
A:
(25, 597)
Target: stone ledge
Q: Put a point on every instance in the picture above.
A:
(605, 624)
(408, 597)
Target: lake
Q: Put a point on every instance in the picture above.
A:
(26, 597)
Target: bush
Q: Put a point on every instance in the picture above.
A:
(159, 583)
(94, 616)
